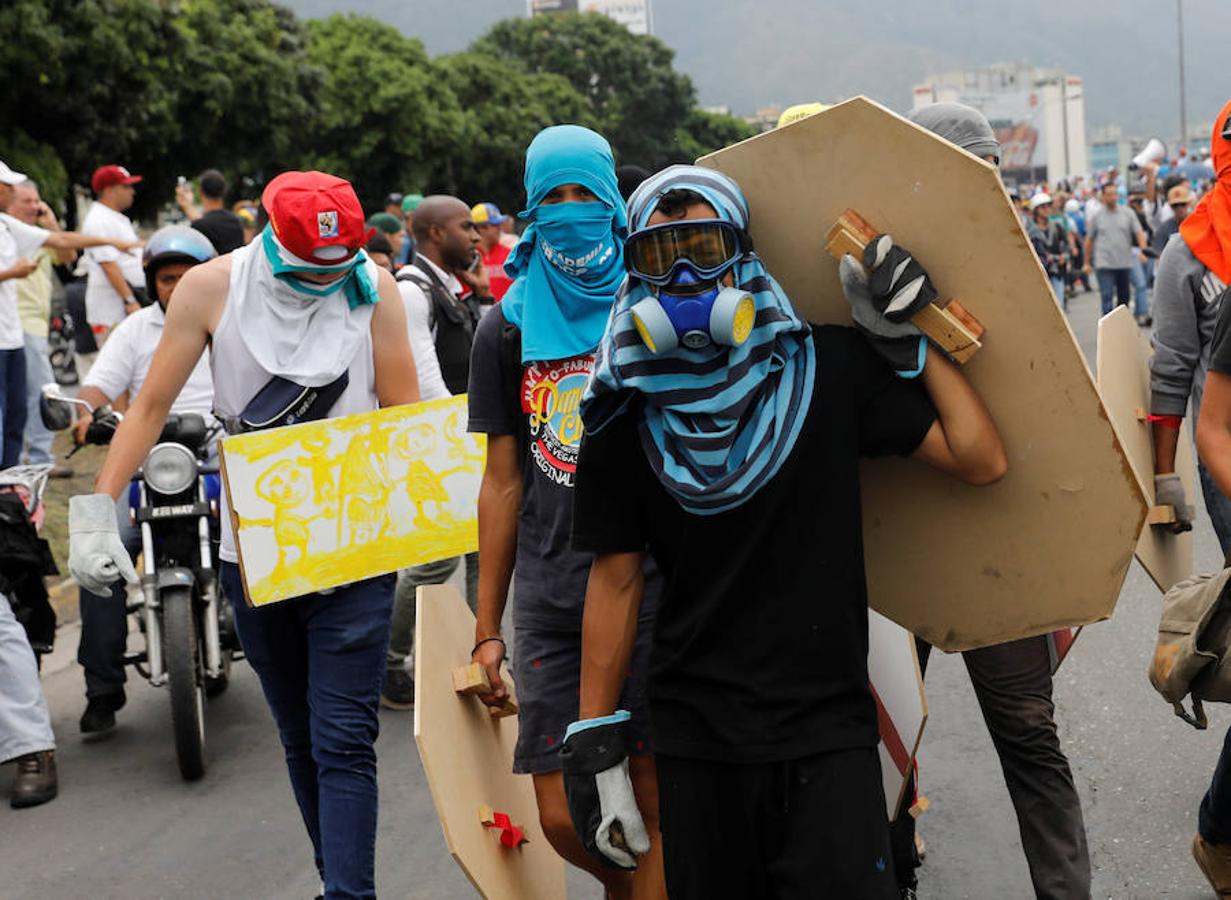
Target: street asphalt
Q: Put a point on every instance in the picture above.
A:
(125, 825)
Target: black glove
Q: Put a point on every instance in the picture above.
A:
(883, 302)
(900, 287)
(600, 793)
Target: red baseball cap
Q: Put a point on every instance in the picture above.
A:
(316, 216)
(106, 176)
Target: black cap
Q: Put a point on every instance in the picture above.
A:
(394, 199)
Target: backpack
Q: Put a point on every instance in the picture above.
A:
(1194, 635)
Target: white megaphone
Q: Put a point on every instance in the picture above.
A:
(1154, 151)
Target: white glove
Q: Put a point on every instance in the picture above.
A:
(96, 556)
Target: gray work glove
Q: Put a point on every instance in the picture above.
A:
(600, 792)
(1169, 491)
(96, 556)
(900, 343)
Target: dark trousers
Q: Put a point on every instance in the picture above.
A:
(1114, 285)
(104, 621)
(1013, 684)
(1214, 817)
(321, 661)
(12, 404)
(805, 828)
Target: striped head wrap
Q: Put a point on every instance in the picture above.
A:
(717, 422)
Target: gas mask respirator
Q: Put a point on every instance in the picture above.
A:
(683, 263)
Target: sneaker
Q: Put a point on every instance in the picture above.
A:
(36, 780)
(1145, 321)
(100, 712)
(1215, 862)
(908, 893)
(399, 689)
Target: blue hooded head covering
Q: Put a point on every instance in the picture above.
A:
(717, 422)
(569, 263)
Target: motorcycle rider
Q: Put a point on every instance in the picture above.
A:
(121, 370)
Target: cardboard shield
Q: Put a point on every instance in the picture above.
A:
(1124, 382)
(901, 705)
(327, 503)
(468, 758)
(1049, 545)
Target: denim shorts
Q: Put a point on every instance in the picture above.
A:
(547, 671)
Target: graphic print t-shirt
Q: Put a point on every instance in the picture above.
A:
(541, 406)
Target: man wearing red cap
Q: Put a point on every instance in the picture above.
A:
(301, 303)
(111, 275)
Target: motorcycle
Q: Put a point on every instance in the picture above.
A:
(187, 623)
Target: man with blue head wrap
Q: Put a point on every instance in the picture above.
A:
(531, 360)
(723, 440)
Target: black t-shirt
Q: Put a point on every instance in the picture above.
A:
(540, 404)
(1220, 344)
(761, 644)
(224, 229)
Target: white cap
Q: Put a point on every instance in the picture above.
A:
(8, 176)
(1039, 199)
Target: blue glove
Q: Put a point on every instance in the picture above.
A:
(600, 792)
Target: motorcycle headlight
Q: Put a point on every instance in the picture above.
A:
(170, 469)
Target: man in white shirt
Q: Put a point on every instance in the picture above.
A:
(112, 275)
(18, 243)
(121, 368)
(441, 325)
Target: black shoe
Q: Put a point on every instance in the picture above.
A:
(36, 780)
(399, 689)
(100, 712)
(908, 893)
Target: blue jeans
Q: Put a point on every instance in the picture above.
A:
(38, 373)
(12, 404)
(1218, 506)
(321, 661)
(1141, 289)
(1058, 288)
(1113, 282)
(104, 620)
(25, 726)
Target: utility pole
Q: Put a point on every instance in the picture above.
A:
(1179, 13)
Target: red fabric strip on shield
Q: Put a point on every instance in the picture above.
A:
(889, 735)
(510, 835)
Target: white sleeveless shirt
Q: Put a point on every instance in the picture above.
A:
(238, 376)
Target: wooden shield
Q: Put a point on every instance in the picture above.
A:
(468, 758)
(1049, 545)
(1124, 382)
(901, 705)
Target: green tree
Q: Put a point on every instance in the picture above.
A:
(502, 110)
(244, 89)
(95, 79)
(637, 99)
(704, 132)
(386, 118)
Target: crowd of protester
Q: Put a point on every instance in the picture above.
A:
(473, 319)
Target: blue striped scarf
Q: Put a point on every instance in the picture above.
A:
(717, 422)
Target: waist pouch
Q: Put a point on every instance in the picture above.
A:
(1194, 635)
(283, 402)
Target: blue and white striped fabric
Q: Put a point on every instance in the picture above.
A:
(717, 422)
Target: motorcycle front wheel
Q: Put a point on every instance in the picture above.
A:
(185, 679)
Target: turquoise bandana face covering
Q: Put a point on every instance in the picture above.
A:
(570, 260)
(576, 239)
(356, 284)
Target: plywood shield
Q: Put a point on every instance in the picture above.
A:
(1124, 382)
(901, 705)
(1049, 545)
(468, 758)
